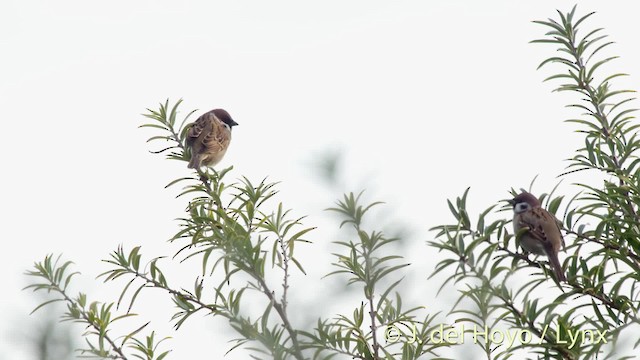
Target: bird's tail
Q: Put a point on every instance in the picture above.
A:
(557, 267)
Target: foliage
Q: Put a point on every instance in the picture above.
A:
(600, 301)
(97, 317)
(245, 247)
(361, 262)
(235, 234)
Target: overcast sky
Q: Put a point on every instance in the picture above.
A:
(423, 99)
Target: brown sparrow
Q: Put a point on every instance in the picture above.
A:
(209, 137)
(542, 235)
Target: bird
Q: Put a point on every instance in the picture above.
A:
(208, 138)
(539, 230)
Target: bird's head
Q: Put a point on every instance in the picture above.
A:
(224, 116)
(524, 202)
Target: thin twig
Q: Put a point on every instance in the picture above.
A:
(609, 245)
(283, 316)
(566, 354)
(372, 312)
(85, 317)
(171, 291)
(585, 85)
(285, 269)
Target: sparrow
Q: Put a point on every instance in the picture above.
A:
(542, 235)
(208, 138)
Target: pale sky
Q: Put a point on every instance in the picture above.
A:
(424, 98)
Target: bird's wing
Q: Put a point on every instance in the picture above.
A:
(218, 138)
(197, 127)
(542, 225)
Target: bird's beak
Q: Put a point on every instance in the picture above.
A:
(233, 123)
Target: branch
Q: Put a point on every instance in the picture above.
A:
(285, 268)
(372, 312)
(608, 245)
(283, 316)
(171, 291)
(566, 354)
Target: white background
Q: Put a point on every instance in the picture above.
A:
(423, 99)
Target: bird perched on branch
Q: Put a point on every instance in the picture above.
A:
(538, 230)
(209, 137)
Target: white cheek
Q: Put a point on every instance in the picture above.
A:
(522, 207)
